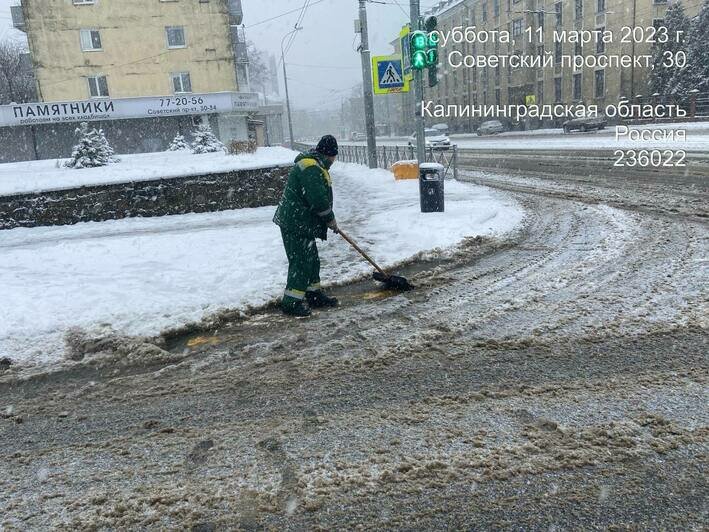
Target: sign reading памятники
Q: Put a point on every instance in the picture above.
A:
(120, 108)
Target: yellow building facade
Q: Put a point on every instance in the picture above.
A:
(85, 49)
(555, 84)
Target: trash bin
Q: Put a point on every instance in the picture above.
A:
(431, 187)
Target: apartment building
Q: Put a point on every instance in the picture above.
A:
(85, 49)
(554, 84)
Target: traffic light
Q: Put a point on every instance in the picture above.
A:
(432, 50)
(419, 47)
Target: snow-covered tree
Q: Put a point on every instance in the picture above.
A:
(663, 54)
(92, 150)
(696, 75)
(205, 141)
(178, 144)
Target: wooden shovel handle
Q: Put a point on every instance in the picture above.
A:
(361, 252)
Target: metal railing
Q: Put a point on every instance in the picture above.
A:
(388, 155)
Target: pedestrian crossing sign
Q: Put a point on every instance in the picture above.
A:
(388, 74)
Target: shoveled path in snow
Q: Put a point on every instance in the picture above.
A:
(555, 378)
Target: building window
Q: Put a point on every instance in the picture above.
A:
(600, 83)
(484, 11)
(175, 36)
(600, 45)
(98, 86)
(558, 51)
(517, 27)
(601, 6)
(181, 82)
(496, 8)
(540, 92)
(558, 10)
(579, 9)
(557, 89)
(90, 40)
(577, 86)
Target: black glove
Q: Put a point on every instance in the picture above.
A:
(332, 224)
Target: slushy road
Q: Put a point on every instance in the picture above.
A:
(553, 379)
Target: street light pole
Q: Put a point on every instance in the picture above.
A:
(367, 86)
(285, 81)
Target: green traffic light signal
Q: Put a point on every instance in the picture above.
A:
(431, 57)
(419, 41)
(419, 46)
(418, 60)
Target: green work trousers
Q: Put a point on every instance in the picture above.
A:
(303, 267)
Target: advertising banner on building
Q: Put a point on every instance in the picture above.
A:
(122, 108)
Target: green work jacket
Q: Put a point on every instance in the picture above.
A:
(306, 205)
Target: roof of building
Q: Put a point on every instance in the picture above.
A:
(443, 6)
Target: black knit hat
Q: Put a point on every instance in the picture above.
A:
(327, 146)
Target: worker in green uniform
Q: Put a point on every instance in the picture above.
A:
(304, 214)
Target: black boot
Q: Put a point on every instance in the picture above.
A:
(300, 309)
(318, 299)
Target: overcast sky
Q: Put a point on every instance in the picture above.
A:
(327, 40)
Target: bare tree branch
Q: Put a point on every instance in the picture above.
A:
(17, 84)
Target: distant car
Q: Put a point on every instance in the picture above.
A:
(491, 127)
(434, 139)
(585, 124)
(356, 136)
(443, 128)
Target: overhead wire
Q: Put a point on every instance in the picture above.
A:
(281, 15)
(298, 22)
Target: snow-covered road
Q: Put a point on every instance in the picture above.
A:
(141, 276)
(697, 139)
(554, 379)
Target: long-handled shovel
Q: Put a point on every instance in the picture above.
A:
(392, 282)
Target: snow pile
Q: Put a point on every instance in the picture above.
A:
(140, 276)
(37, 176)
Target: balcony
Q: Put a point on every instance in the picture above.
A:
(18, 18)
(236, 14)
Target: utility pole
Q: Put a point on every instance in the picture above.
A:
(367, 85)
(418, 91)
(285, 81)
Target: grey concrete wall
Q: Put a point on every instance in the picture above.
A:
(207, 193)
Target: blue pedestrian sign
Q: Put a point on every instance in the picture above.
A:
(389, 75)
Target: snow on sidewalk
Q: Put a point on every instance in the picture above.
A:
(141, 276)
(46, 175)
